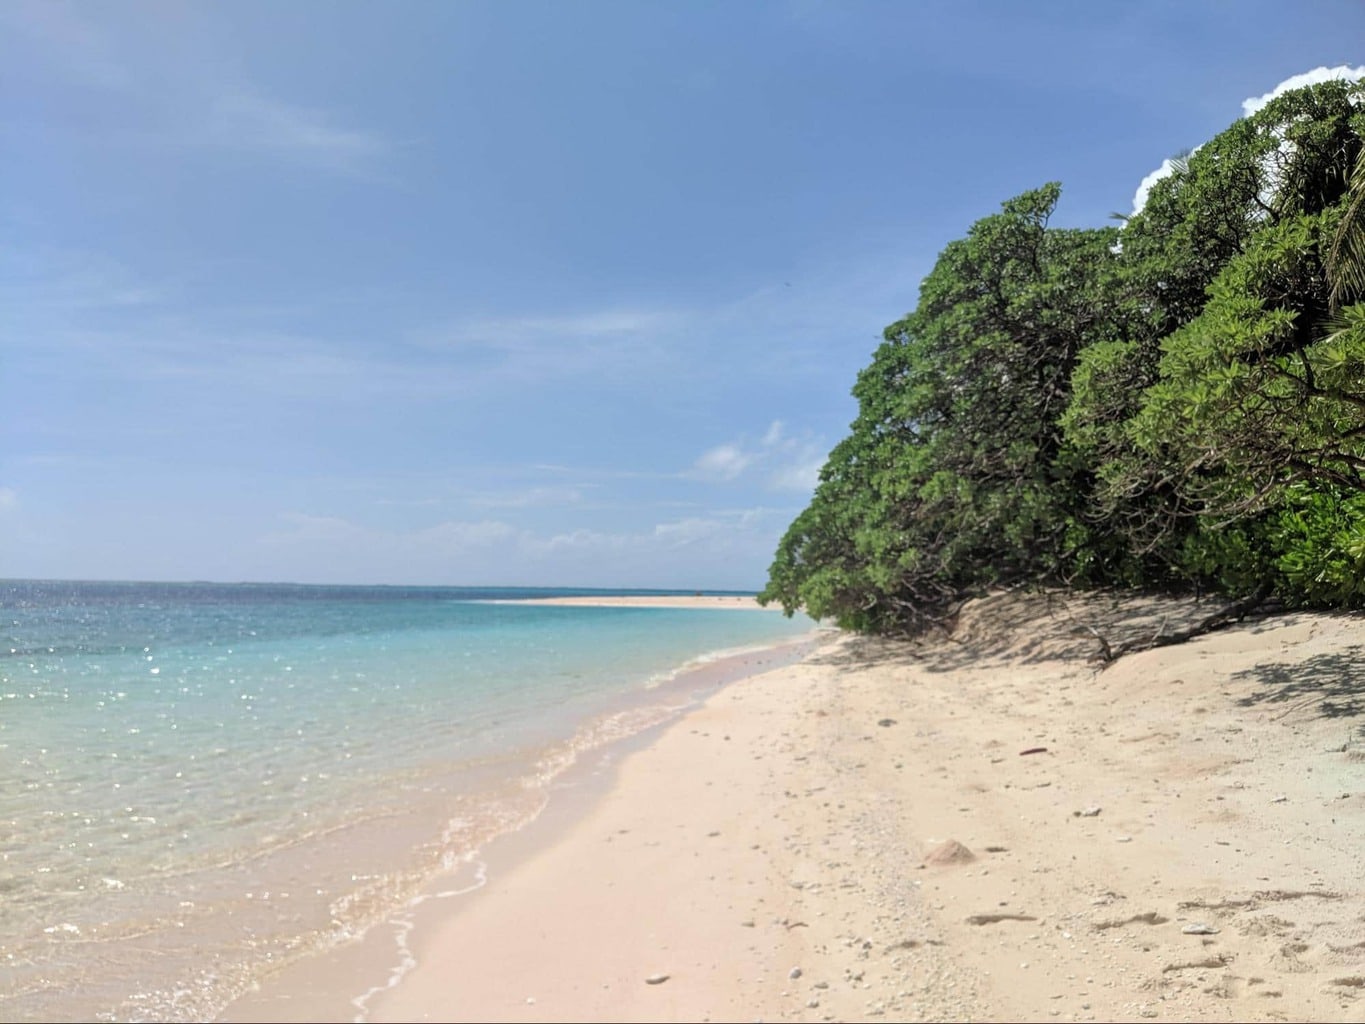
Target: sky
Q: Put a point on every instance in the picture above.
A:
(562, 294)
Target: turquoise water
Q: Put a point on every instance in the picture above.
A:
(200, 781)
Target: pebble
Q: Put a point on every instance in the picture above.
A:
(1199, 928)
(794, 973)
(1089, 812)
(656, 979)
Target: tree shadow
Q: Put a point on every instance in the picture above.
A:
(1029, 627)
(1331, 684)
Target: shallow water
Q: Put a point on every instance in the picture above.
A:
(201, 782)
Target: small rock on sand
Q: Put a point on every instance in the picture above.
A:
(656, 979)
(950, 852)
(1199, 928)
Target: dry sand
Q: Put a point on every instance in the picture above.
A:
(867, 836)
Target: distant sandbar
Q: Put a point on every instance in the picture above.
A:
(740, 601)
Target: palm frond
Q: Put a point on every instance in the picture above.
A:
(1346, 259)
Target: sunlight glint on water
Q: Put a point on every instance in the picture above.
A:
(200, 781)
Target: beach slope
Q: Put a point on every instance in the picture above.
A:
(985, 827)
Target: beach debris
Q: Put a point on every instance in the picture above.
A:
(1088, 812)
(1207, 964)
(949, 852)
(1033, 750)
(997, 918)
(1150, 917)
(657, 979)
(795, 973)
(884, 722)
(1280, 800)
(1199, 928)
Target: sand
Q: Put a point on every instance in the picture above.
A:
(735, 601)
(987, 827)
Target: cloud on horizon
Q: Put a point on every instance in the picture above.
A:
(719, 547)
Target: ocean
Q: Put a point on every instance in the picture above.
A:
(204, 782)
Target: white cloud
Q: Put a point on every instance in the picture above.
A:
(800, 475)
(723, 462)
(252, 121)
(441, 538)
(535, 333)
(1250, 106)
(171, 77)
(1144, 189)
(688, 531)
(791, 464)
(1318, 75)
(450, 537)
(533, 498)
(718, 548)
(61, 29)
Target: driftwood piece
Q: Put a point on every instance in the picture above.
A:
(1235, 612)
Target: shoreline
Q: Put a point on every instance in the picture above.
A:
(322, 985)
(869, 834)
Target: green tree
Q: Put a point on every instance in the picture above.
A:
(952, 477)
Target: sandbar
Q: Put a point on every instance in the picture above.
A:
(735, 601)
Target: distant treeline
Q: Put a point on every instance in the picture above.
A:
(1177, 402)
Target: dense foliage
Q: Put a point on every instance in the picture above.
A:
(1176, 403)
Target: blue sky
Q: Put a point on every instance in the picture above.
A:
(523, 293)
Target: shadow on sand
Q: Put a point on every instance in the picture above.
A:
(1334, 682)
(1030, 627)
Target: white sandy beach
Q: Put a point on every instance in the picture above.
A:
(1183, 844)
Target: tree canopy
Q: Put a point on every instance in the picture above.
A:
(1178, 402)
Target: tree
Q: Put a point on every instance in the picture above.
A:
(1179, 403)
(952, 477)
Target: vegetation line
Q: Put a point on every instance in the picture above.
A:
(1173, 403)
